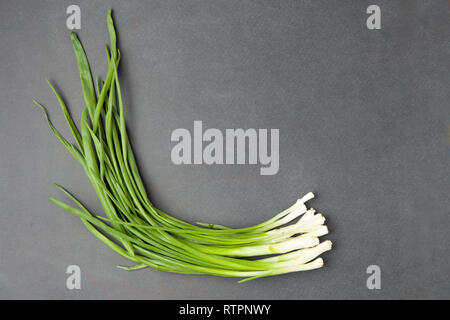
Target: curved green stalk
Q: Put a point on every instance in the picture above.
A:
(149, 237)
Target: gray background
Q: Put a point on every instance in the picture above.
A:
(363, 118)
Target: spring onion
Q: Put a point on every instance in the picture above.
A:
(135, 228)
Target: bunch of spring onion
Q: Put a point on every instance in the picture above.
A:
(136, 229)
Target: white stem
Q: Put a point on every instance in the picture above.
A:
(312, 253)
(313, 228)
(307, 216)
(294, 244)
(318, 263)
(300, 203)
(306, 197)
(319, 232)
(288, 258)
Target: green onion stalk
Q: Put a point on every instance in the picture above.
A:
(149, 237)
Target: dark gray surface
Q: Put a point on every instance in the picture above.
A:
(363, 118)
